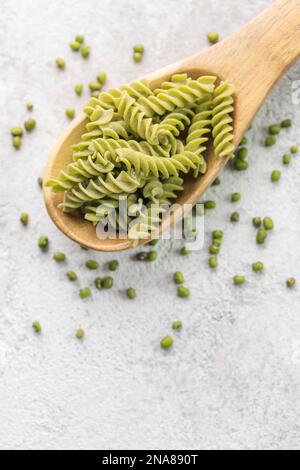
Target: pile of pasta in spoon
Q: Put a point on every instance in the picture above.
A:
(139, 144)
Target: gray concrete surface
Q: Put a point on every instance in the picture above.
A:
(232, 380)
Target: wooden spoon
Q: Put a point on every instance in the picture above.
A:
(253, 60)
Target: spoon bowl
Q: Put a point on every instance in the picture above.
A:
(253, 59)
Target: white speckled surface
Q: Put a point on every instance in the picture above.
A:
(232, 380)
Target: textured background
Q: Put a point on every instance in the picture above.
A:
(233, 378)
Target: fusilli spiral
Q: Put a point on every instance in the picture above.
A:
(177, 97)
(80, 171)
(104, 146)
(175, 123)
(136, 119)
(160, 192)
(100, 188)
(145, 221)
(198, 134)
(146, 165)
(222, 120)
(105, 100)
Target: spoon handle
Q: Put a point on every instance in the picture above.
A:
(256, 57)
(270, 43)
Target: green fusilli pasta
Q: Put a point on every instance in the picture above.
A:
(146, 165)
(128, 167)
(222, 120)
(105, 100)
(161, 192)
(145, 221)
(198, 134)
(181, 96)
(80, 171)
(136, 119)
(175, 123)
(109, 146)
(100, 188)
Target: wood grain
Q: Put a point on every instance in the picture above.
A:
(253, 59)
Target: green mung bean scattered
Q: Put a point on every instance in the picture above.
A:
(235, 197)
(208, 205)
(291, 282)
(24, 218)
(217, 242)
(217, 182)
(85, 293)
(153, 242)
(286, 123)
(70, 113)
(218, 234)
(274, 129)
(37, 326)
(244, 141)
(79, 38)
(276, 176)
(213, 37)
(29, 107)
(152, 256)
(107, 282)
(137, 57)
(85, 51)
(79, 333)
(98, 283)
(16, 131)
(294, 149)
(131, 293)
(268, 223)
(184, 251)
(43, 242)
(286, 159)
(59, 257)
(178, 278)
(235, 217)
(92, 264)
(95, 86)
(101, 78)
(167, 342)
(213, 262)
(17, 142)
(240, 165)
(78, 89)
(261, 236)
(113, 265)
(72, 276)
(214, 249)
(61, 63)
(177, 325)
(242, 153)
(257, 222)
(239, 280)
(139, 48)
(30, 124)
(258, 267)
(183, 292)
(270, 141)
(75, 46)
